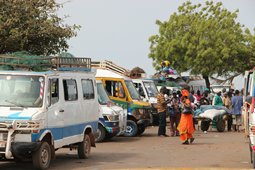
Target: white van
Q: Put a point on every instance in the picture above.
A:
(148, 90)
(41, 112)
(112, 119)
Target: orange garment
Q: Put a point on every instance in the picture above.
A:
(185, 92)
(185, 127)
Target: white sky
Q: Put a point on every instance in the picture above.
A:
(118, 30)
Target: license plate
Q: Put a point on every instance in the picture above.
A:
(2, 144)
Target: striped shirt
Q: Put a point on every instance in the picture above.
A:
(161, 103)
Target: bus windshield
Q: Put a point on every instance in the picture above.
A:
(103, 98)
(21, 91)
(132, 90)
(151, 89)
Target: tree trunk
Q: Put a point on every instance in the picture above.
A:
(207, 81)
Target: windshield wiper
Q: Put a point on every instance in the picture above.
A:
(14, 103)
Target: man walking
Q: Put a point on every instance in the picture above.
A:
(237, 103)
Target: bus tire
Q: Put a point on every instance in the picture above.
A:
(42, 157)
(84, 147)
(131, 129)
(100, 133)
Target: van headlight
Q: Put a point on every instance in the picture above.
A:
(106, 117)
(112, 117)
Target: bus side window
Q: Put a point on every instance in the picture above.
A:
(108, 87)
(121, 90)
(115, 89)
(70, 90)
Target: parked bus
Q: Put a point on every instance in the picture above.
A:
(122, 91)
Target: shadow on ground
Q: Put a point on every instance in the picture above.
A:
(70, 160)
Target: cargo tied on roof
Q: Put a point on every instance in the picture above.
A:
(43, 63)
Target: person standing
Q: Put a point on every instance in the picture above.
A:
(237, 103)
(191, 96)
(228, 104)
(186, 128)
(218, 100)
(209, 95)
(198, 96)
(204, 99)
(175, 114)
(161, 106)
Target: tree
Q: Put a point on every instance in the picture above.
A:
(33, 26)
(205, 40)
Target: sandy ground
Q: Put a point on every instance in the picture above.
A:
(212, 150)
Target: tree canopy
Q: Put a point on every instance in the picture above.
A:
(33, 26)
(203, 39)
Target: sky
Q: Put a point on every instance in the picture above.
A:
(118, 30)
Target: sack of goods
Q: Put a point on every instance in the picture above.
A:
(212, 113)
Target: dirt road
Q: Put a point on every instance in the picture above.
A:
(211, 150)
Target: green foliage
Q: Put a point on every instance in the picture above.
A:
(206, 40)
(33, 26)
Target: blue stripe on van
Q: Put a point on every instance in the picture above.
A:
(67, 131)
(15, 116)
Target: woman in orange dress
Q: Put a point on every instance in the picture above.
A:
(186, 128)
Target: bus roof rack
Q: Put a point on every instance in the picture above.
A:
(45, 63)
(109, 65)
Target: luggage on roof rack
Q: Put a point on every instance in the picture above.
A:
(9, 62)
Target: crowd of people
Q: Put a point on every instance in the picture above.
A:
(180, 107)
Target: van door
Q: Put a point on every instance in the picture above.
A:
(72, 116)
(55, 118)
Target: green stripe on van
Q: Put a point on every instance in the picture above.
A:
(124, 105)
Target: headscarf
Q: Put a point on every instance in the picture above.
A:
(185, 92)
